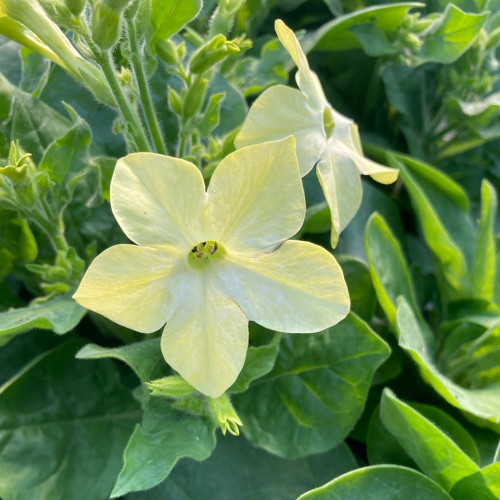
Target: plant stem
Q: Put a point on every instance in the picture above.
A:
(144, 93)
(55, 232)
(128, 113)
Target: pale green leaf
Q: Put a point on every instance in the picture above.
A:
(433, 451)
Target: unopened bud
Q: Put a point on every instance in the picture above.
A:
(195, 97)
(224, 415)
(170, 387)
(167, 51)
(106, 25)
(212, 52)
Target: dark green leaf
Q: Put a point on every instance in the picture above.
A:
(67, 159)
(359, 284)
(238, 470)
(35, 124)
(388, 267)
(316, 391)
(144, 357)
(164, 436)
(372, 39)
(259, 361)
(387, 482)
(59, 314)
(63, 426)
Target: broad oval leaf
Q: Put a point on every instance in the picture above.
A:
(316, 391)
(63, 421)
(164, 436)
(59, 314)
(380, 482)
(238, 470)
(144, 357)
(432, 450)
(336, 34)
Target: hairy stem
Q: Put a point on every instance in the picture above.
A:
(144, 93)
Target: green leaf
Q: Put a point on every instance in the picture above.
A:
(164, 436)
(170, 16)
(35, 124)
(233, 109)
(484, 485)
(258, 362)
(144, 357)
(316, 391)
(433, 451)
(59, 314)
(67, 159)
(359, 284)
(336, 35)
(372, 39)
(388, 482)
(388, 267)
(238, 470)
(63, 424)
(254, 75)
(449, 258)
(450, 35)
(5, 98)
(483, 269)
(483, 403)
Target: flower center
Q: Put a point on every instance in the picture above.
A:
(205, 252)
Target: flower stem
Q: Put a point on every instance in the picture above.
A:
(132, 121)
(144, 93)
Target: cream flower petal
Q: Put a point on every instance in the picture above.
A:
(341, 185)
(379, 173)
(298, 288)
(255, 197)
(133, 286)
(280, 112)
(207, 339)
(307, 80)
(158, 199)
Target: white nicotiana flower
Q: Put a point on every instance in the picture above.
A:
(208, 262)
(323, 136)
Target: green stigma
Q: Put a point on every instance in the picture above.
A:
(328, 121)
(205, 252)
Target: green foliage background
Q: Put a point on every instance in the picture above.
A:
(401, 398)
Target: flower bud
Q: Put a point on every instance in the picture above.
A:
(195, 96)
(106, 25)
(167, 51)
(175, 102)
(224, 415)
(170, 387)
(212, 52)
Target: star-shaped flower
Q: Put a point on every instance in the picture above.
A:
(323, 136)
(207, 262)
